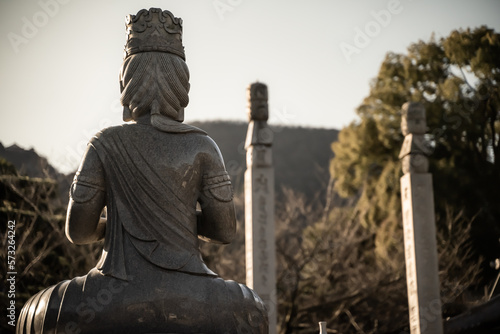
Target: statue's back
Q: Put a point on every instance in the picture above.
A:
(150, 175)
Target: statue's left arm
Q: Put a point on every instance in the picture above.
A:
(84, 224)
(217, 219)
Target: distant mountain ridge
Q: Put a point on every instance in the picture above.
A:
(29, 163)
(301, 157)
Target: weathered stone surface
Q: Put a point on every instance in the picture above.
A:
(414, 154)
(259, 204)
(414, 144)
(413, 119)
(415, 163)
(419, 229)
(420, 253)
(257, 102)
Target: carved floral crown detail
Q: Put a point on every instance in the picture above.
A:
(154, 30)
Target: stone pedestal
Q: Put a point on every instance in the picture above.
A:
(421, 253)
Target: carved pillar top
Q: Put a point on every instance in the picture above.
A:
(259, 136)
(415, 148)
(259, 132)
(257, 102)
(413, 118)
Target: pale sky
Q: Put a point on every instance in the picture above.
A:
(60, 60)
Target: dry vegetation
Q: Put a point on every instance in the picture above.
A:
(328, 269)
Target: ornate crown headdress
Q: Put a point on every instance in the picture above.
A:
(154, 30)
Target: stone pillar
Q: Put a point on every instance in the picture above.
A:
(322, 327)
(259, 203)
(417, 201)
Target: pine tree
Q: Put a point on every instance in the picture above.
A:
(457, 79)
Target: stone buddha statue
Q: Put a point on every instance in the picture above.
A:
(150, 174)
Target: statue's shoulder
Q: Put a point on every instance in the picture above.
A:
(207, 150)
(204, 143)
(113, 131)
(203, 139)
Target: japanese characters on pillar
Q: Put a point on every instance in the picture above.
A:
(419, 229)
(259, 202)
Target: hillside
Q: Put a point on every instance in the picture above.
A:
(29, 163)
(301, 157)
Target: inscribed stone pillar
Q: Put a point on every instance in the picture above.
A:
(259, 203)
(419, 225)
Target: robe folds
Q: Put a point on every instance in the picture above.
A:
(152, 203)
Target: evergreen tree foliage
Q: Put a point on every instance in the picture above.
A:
(457, 79)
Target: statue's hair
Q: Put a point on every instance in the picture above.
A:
(155, 82)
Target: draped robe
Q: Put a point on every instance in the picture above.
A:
(154, 204)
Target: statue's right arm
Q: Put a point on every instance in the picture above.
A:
(217, 220)
(84, 224)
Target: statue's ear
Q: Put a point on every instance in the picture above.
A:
(127, 115)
